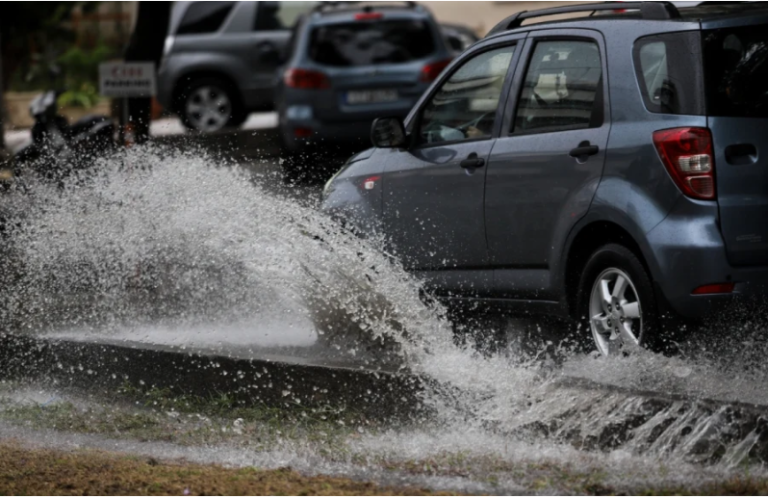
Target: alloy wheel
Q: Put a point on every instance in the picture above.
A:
(208, 108)
(615, 314)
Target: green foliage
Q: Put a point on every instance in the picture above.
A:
(31, 34)
(81, 71)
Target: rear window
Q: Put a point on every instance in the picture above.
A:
(204, 17)
(736, 68)
(371, 43)
(669, 73)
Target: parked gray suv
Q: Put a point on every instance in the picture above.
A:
(610, 168)
(220, 59)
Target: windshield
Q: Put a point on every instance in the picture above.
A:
(736, 66)
(367, 43)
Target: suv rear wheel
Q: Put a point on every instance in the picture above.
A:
(616, 301)
(209, 104)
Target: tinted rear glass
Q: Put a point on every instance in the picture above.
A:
(204, 17)
(371, 43)
(736, 68)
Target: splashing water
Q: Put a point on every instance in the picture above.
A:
(171, 239)
(161, 236)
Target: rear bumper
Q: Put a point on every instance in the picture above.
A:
(687, 251)
(355, 134)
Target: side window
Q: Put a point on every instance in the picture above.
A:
(562, 88)
(653, 64)
(204, 17)
(464, 107)
(669, 72)
(273, 16)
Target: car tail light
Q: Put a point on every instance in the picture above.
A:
(430, 72)
(726, 288)
(370, 182)
(687, 155)
(368, 16)
(302, 132)
(306, 79)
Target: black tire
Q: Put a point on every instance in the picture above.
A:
(618, 257)
(236, 113)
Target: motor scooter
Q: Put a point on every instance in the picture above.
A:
(58, 147)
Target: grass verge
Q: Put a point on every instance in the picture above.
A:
(52, 472)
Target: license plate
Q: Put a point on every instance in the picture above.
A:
(371, 96)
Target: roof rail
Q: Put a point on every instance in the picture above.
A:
(354, 5)
(648, 10)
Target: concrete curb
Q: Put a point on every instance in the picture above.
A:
(590, 416)
(107, 367)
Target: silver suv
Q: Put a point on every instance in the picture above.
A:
(610, 168)
(220, 59)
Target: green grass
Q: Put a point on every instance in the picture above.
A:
(51, 472)
(156, 415)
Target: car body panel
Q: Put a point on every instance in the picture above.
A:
(244, 56)
(433, 208)
(529, 191)
(740, 139)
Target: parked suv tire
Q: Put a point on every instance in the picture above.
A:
(616, 301)
(209, 104)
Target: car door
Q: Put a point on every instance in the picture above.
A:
(433, 192)
(264, 43)
(546, 164)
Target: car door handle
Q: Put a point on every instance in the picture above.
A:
(584, 150)
(741, 154)
(472, 162)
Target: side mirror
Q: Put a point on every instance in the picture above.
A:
(388, 133)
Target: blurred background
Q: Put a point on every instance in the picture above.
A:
(78, 36)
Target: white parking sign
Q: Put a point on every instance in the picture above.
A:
(127, 79)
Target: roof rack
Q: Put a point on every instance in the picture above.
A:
(324, 7)
(648, 10)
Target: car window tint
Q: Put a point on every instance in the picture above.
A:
(560, 91)
(204, 17)
(669, 74)
(371, 43)
(464, 107)
(736, 68)
(272, 16)
(653, 61)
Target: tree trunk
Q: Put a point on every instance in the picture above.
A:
(146, 45)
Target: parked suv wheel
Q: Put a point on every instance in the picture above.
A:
(209, 104)
(616, 301)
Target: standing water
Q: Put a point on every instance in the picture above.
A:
(175, 247)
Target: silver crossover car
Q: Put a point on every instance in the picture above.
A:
(607, 168)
